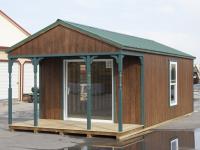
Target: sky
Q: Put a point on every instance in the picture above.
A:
(175, 23)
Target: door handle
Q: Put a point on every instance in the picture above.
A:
(68, 90)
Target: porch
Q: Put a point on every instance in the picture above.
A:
(88, 87)
(77, 127)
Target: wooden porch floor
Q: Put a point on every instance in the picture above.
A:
(77, 127)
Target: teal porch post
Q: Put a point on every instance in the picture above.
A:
(35, 62)
(10, 64)
(88, 60)
(119, 60)
(89, 109)
(142, 90)
(120, 103)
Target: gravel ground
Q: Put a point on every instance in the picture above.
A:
(27, 140)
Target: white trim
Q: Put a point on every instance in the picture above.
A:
(175, 102)
(112, 92)
(65, 78)
(64, 88)
(93, 120)
(172, 141)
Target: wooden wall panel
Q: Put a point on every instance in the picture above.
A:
(62, 40)
(51, 88)
(131, 90)
(156, 80)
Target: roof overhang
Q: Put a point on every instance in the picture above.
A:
(157, 53)
(3, 48)
(123, 52)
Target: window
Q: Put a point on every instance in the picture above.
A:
(173, 83)
(174, 144)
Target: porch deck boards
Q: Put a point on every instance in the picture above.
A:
(77, 127)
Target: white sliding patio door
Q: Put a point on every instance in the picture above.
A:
(75, 91)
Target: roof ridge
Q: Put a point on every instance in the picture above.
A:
(105, 30)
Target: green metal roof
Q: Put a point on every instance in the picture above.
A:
(123, 41)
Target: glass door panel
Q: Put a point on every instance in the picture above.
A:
(101, 76)
(77, 90)
(102, 90)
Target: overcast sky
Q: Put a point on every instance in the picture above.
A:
(175, 23)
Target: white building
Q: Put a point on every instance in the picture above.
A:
(22, 76)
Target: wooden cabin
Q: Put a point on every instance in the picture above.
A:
(98, 82)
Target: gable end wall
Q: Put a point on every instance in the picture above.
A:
(62, 40)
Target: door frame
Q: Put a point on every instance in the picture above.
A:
(65, 90)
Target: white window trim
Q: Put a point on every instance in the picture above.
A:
(176, 83)
(172, 141)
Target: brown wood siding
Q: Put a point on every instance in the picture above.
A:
(62, 40)
(156, 80)
(51, 88)
(131, 90)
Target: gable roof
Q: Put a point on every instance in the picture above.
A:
(122, 41)
(14, 23)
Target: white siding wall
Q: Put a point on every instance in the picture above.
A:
(9, 34)
(4, 80)
(3, 55)
(29, 78)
